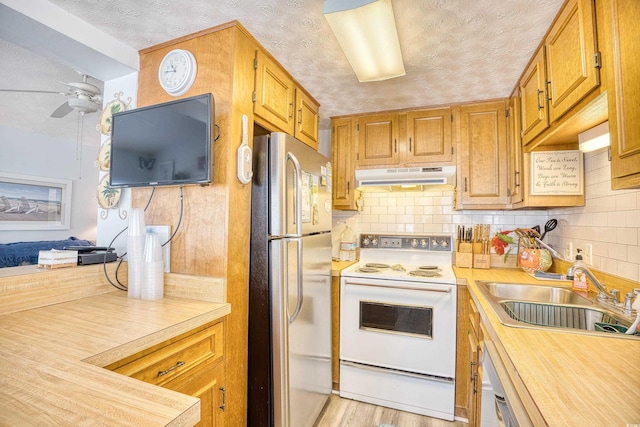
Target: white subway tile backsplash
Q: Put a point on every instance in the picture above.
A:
(610, 221)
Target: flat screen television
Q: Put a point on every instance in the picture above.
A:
(163, 144)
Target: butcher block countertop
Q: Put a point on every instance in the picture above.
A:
(563, 379)
(51, 354)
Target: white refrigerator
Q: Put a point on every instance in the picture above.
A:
(290, 283)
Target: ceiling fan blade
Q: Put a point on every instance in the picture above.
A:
(32, 91)
(62, 110)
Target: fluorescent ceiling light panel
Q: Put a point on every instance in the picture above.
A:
(366, 32)
(594, 138)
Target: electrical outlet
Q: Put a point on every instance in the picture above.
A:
(588, 254)
(568, 251)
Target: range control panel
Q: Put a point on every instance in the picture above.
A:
(441, 243)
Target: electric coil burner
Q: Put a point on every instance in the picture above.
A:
(398, 324)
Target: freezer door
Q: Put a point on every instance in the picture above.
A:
(301, 325)
(299, 188)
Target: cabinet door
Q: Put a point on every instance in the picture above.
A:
(533, 106)
(483, 149)
(343, 164)
(307, 119)
(429, 136)
(275, 94)
(624, 108)
(514, 177)
(475, 386)
(206, 383)
(378, 140)
(570, 47)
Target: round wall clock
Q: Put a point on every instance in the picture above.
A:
(177, 71)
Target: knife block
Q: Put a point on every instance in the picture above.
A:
(480, 258)
(464, 255)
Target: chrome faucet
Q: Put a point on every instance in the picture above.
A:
(603, 294)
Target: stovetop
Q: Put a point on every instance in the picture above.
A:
(411, 258)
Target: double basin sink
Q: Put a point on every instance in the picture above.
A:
(553, 308)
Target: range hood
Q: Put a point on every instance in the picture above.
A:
(406, 177)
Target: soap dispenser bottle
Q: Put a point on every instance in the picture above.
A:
(579, 277)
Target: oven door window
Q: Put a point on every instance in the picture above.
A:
(398, 319)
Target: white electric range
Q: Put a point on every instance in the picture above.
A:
(398, 324)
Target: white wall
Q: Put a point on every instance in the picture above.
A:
(113, 221)
(610, 220)
(41, 156)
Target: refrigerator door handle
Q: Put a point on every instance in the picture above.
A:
(297, 205)
(300, 298)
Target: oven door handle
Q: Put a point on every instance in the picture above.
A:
(351, 282)
(372, 368)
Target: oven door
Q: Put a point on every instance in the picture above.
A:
(411, 327)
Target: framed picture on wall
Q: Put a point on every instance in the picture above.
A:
(34, 203)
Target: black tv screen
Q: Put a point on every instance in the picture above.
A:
(163, 144)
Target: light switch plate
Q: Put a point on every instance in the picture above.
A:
(163, 232)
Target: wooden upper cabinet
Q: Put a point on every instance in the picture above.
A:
(533, 105)
(307, 119)
(428, 136)
(275, 93)
(572, 70)
(343, 164)
(514, 146)
(623, 94)
(281, 105)
(483, 152)
(378, 140)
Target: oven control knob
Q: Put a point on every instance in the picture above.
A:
(366, 241)
(374, 241)
(414, 243)
(424, 243)
(444, 243)
(434, 243)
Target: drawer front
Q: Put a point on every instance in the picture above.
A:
(177, 358)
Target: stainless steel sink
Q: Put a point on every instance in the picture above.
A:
(537, 293)
(552, 308)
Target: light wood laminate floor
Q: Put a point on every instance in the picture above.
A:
(340, 412)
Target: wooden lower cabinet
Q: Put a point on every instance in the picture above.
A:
(192, 363)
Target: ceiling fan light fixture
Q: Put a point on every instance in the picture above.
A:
(81, 105)
(366, 31)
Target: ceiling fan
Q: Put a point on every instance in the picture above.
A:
(83, 97)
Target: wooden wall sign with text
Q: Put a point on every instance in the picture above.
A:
(557, 172)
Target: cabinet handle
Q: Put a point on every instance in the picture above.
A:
(540, 107)
(291, 110)
(223, 391)
(546, 89)
(517, 179)
(348, 189)
(176, 366)
(300, 116)
(395, 146)
(409, 144)
(465, 184)
(471, 373)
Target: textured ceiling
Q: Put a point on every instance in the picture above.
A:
(454, 50)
